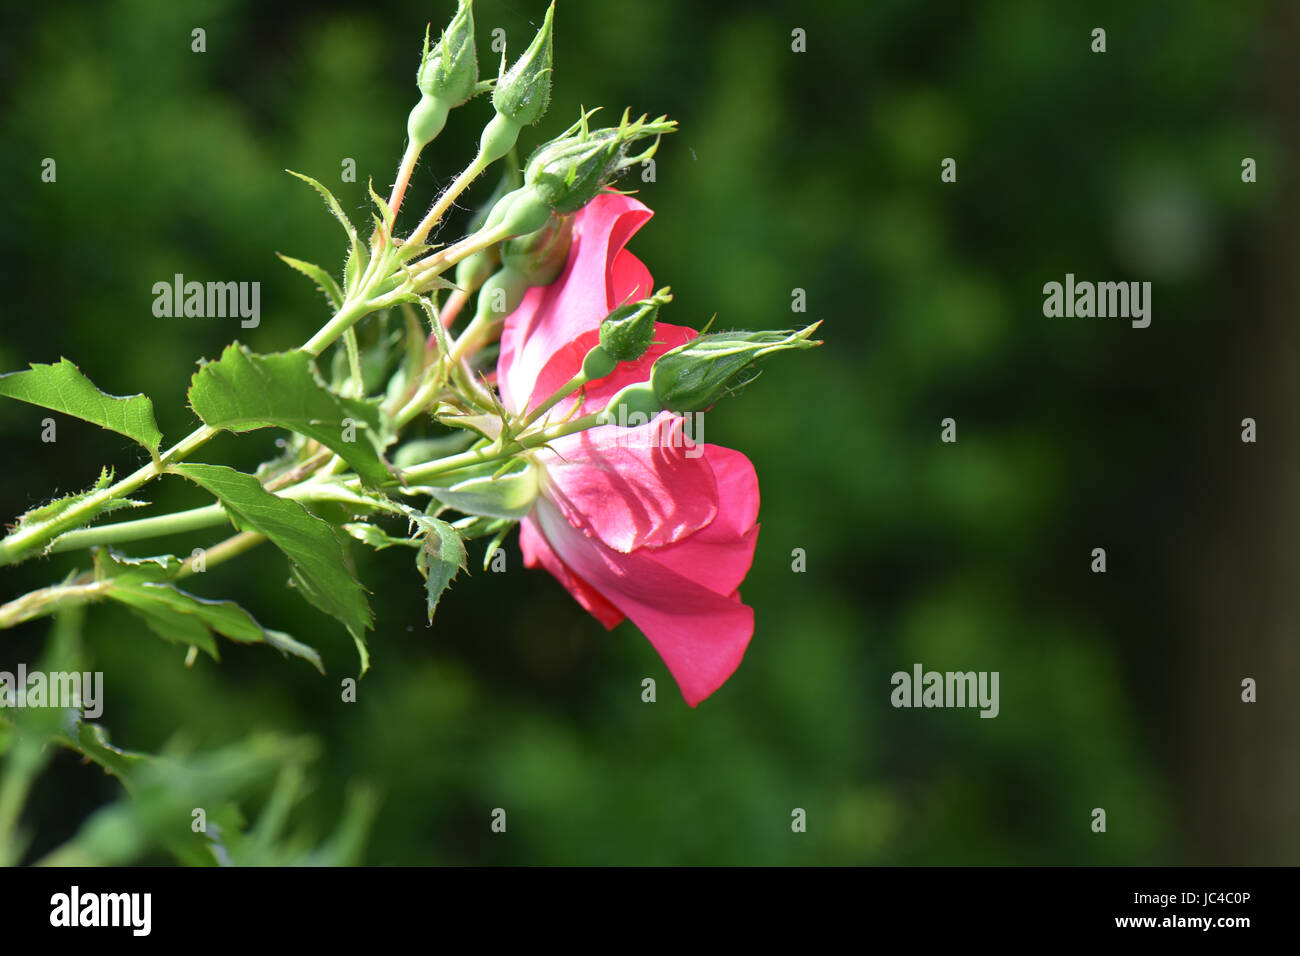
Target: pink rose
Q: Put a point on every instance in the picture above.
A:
(634, 522)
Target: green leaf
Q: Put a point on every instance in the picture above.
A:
(62, 388)
(330, 202)
(317, 559)
(376, 537)
(357, 254)
(91, 741)
(505, 496)
(387, 213)
(243, 391)
(164, 620)
(176, 615)
(440, 558)
(324, 281)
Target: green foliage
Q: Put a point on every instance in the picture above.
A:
(243, 391)
(174, 615)
(440, 558)
(63, 388)
(187, 804)
(324, 281)
(318, 563)
(356, 250)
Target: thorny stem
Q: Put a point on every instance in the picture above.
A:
(404, 171)
(175, 523)
(438, 262)
(41, 601)
(17, 545)
(564, 391)
(449, 196)
(345, 490)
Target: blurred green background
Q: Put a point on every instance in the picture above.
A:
(818, 171)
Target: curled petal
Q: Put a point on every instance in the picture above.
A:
(632, 488)
(537, 552)
(598, 276)
(700, 634)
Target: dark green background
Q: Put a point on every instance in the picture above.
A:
(818, 171)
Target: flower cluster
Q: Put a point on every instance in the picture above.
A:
(518, 376)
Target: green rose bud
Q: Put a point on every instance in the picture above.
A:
(523, 93)
(597, 364)
(450, 70)
(501, 294)
(632, 402)
(694, 376)
(627, 332)
(570, 171)
(521, 212)
(447, 76)
(539, 256)
(473, 271)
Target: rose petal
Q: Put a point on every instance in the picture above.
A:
(537, 552)
(631, 487)
(566, 363)
(551, 317)
(700, 634)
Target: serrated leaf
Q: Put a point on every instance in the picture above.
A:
(243, 391)
(324, 281)
(91, 741)
(317, 560)
(112, 565)
(331, 203)
(440, 558)
(164, 620)
(63, 388)
(176, 615)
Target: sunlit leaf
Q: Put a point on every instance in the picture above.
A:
(243, 391)
(62, 388)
